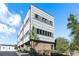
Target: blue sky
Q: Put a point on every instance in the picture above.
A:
(12, 16)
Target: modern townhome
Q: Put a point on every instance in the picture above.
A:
(37, 32)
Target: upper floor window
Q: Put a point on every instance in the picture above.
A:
(44, 20)
(36, 16)
(52, 35)
(51, 23)
(37, 31)
(43, 32)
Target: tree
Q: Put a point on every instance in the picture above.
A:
(61, 45)
(72, 48)
(33, 34)
(73, 25)
(33, 37)
(73, 45)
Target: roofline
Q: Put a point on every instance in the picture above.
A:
(42, 9)
(6, 45)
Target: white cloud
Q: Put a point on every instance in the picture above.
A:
(5, 29)
(14, 20)
(11, 30)
(3, 8)
(8, 24)
(9, 18)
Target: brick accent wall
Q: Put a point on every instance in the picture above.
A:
(43, 48)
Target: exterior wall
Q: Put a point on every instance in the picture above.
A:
(41, 25)
(26, 30)
(23, 36)
(42, 47)
(7, 48)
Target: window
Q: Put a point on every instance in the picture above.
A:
(37, 31)
(51, 34)
(45, 20)
(40, 31)
(50, 22)
(45, 33)
(42, 19)
(36, 16)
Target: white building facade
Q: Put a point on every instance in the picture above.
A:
(43, 23)
(4, 47)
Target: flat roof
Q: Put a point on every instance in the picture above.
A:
(41, 9)
(6, 45)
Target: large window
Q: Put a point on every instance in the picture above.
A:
(42, 19)
(36, 16)
(37, 31)
(45, 33)
(51, 23)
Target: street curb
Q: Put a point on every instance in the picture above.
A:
(18, 53)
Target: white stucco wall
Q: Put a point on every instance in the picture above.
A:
(23, 30)
(37, 24)
(41, 25)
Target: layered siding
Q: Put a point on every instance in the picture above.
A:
(41, 25)
(23, 35)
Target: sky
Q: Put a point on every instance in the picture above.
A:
(12, 16)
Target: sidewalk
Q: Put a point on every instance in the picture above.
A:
(22, 54)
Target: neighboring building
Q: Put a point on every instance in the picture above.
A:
(44, 25)
(4, 47)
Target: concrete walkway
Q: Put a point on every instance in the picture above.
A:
(22, 54)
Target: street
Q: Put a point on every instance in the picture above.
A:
(8, 53)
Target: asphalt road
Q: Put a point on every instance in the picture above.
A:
(8, 53)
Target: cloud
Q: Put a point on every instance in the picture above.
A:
(9, 23)
(5, 29)
(8, 17)
(14, 20)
